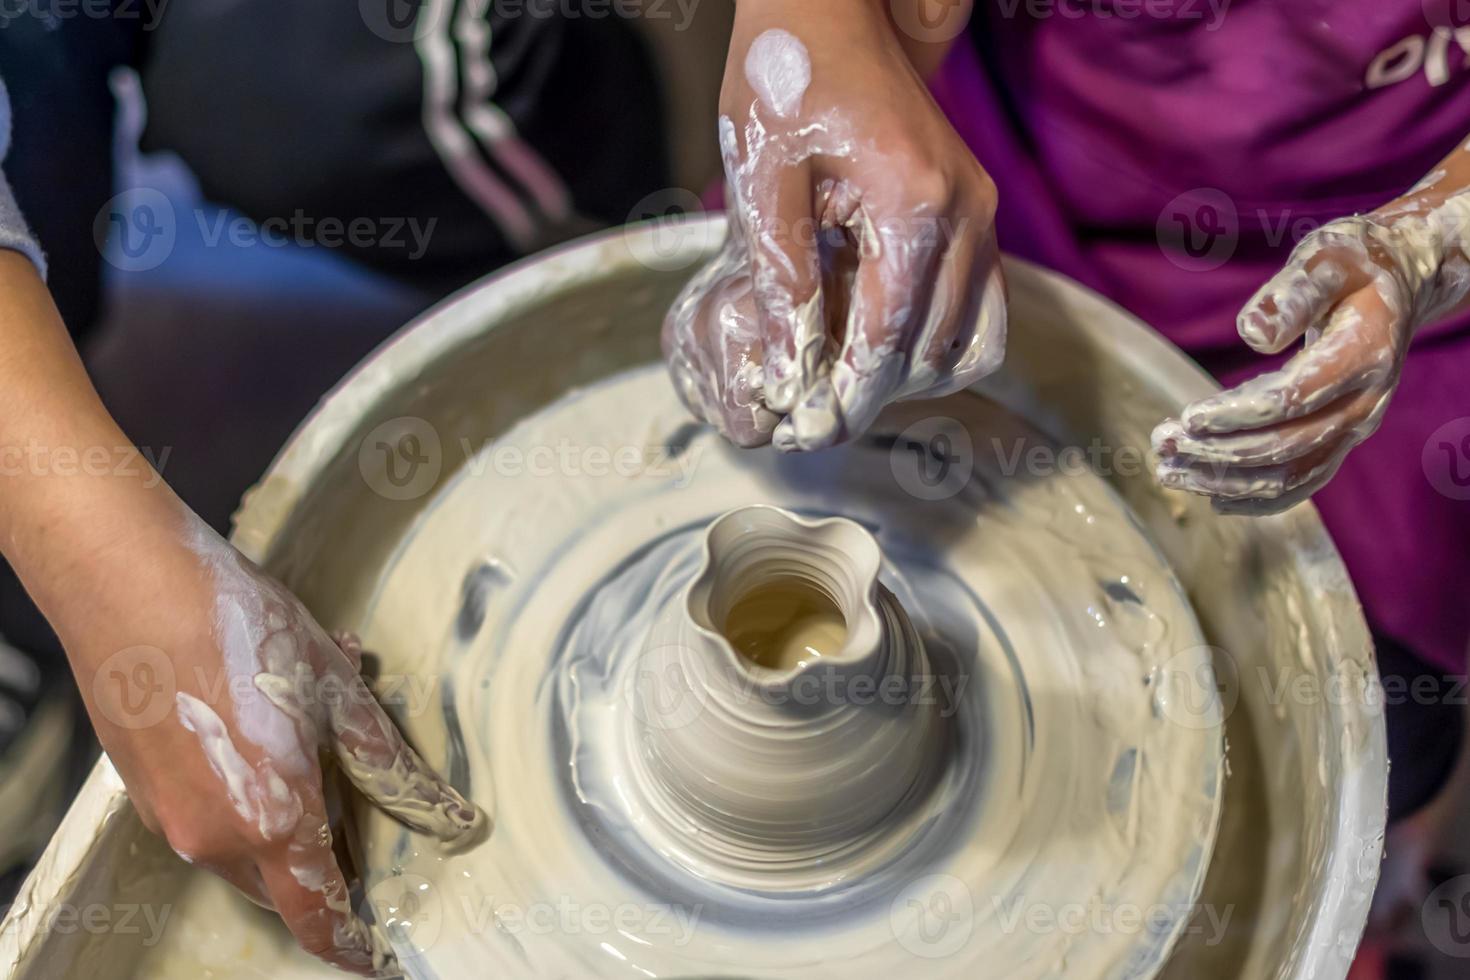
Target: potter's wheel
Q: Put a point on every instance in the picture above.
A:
(1301, 829)
(1073, 822)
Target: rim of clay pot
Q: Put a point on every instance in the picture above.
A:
(859, 611)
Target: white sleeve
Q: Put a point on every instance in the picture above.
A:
(14, 234)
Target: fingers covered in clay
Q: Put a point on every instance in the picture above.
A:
(351, 647)
(1232, 482)
(272, 841)
(309, 892)
(1356, 291)
(1265, 470)
(1354, 353)
(712, 345)
(881, 329)
(263, 698)
(786, 269)
(867, 226)
(966, 336)
(1299, 297)
(1276, 433)
(1268, 446)
(386, 769)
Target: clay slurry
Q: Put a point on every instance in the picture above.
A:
(785, 624)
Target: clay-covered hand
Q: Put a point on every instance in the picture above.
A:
(1357, 289)
(231, 773)
(861, 265)
(216, 695)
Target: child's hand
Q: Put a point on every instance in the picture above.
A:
(1358, 289)
(215, 693)
(862, 266)
(230, 769)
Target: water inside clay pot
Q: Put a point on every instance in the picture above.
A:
(785, 624)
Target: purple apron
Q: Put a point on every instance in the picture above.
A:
(1171, 162)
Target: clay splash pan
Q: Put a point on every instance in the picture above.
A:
(1301, 818)
(1014, 730)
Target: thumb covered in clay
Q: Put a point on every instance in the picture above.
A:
(714, 348)
(712, 345)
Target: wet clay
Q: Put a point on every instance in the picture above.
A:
(1041, 739)
(1302, 820)
(783, 625)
